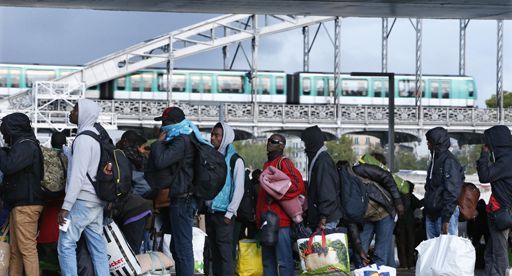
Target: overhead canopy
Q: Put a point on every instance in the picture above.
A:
(448, 9)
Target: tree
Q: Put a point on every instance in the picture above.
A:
(507, 100)
(405, 160)
(254, 152)
(341, 149)
(467, 157)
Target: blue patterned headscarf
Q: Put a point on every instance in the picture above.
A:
(184, 127)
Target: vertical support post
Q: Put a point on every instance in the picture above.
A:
(499, 72)
(170, 68)
(419, 37)
(305, 34)
(384, 55)
(225, 51)
(391, 122)
(337, 43)
(35, 92)
(254, 65)
(463, 24)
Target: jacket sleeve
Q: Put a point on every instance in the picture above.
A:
(167, 154)
(17, 158)
(382, 177)
(490, 172)
(326, 179)
(239, 188)
(289, 169)
(453, 179)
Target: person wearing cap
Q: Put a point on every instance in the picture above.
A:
(174, 153)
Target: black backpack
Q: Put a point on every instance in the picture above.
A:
(247, 209)
(354, 197)
(209, 170)
(109, 187)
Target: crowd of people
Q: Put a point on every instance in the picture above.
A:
(244, 204)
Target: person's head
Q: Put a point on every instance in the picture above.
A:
(379, 156)
(73, 114)
(217, 135)
(84, 113)
(313, 139)
(58, 140)
(131, 138)
(438, 139)
(171, 115)
(16, 126)
(276, 143)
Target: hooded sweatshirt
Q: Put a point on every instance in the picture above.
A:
(231, 194)
(445, 177)
(85, 157)
(22, 163)
(494, 166)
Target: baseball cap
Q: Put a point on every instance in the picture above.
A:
(174, 114)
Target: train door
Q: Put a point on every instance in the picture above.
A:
(380, 92)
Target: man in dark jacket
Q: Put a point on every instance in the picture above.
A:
(444, 183)
(383, 206)
(323, 189)
(22, 165)
(494, 167)
(174, 153)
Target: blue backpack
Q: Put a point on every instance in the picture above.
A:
(354, 197)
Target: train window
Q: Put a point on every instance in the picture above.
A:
(331, 87)
(39, 75)
(121, 84)
(379, 86)
(264, 85)
(279, 85)
(3, 77)
(354, 87)
(407, 88)
(471, 89)
(195, 82)
(320, 87)
(207, 84)
(445, 89)
(15, 77)
(136, 82)
(306, 86)
(434, 89)
(147, 79)
(230, 84)
(178, 83)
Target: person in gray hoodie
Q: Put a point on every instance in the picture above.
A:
(219, 218)
(82, 209)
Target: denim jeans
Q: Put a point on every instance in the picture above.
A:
(279, 258)
(181, 214)
(87, 218)
(383, 231)
(433, 226)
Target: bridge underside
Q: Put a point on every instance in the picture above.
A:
(449, 9)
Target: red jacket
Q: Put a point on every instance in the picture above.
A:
(297, 188)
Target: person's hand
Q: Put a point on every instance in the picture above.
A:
(227, 221)
(365, 259)
(162, 136)
(62, 215)
(322, 223)
(444, 228)
(400, 209)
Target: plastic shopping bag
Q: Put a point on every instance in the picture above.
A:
(249, 261)
(324, 254)
(446, 255)
(198, 239)
(5, 252)
(375, 270)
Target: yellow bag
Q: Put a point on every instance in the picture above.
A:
(249, 261)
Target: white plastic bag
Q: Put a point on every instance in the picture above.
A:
(374, 269)
(198, 239)
(446, 255)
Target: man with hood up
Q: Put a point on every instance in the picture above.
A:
(494, 167)
(444, 182)
(324, 206)
(219, 218)
(22, 165)
(82, 209)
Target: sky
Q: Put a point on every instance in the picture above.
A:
(75, 37)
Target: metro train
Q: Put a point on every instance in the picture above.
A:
(272, 86)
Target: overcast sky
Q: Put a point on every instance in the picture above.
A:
(75, 37)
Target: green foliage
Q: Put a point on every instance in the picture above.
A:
(407, 161)
(341, 149)
(254, 153)
(467, 157)
(507, 100)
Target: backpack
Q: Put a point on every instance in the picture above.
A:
(209, 170)
(354, 198)
(55, 166)
(468, 200)
(118, 183)
(247, 209)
